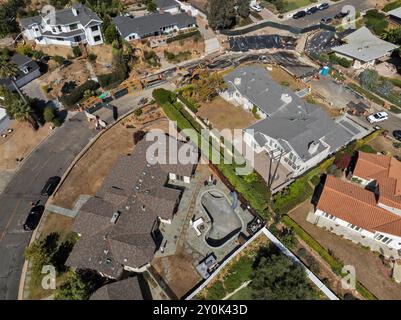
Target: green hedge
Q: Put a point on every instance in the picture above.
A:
(78, 93)
(255, 192)
(335, 265)
(367, 94)
(392, 5)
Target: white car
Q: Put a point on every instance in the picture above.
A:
(256, 8)
(378, 117)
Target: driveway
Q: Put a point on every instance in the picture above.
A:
(51, 158)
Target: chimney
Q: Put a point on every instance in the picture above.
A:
(74, 11)
(115, 217)
(313, 146)
(237, 81)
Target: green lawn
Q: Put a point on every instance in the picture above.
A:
(289, 5)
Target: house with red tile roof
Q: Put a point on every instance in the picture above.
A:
(368, 211)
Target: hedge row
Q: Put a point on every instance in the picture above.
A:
(255, 192)
(336, 266)
(78, 93)
(367, 94)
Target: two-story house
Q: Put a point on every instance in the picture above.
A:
(297, 134)
(368, 213)
(67, 27)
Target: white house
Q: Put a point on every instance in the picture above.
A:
(369, 213)
(134, 28)
(297, 134)
(28, 70)
(68, 27)
(364, 48)
(170, 6)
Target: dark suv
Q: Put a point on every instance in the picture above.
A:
(50, 186)
(299, 14)
(33, 218)
(397, 134)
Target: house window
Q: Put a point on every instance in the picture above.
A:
(60, 39)
(95, 28)
(59, 28)
(74, 26)
(329, 216)
(97, 38)
(354, 227)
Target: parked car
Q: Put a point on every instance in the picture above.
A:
(256, 8)
(33, 218)
(341, 15)
(397, 134)
(323, 6)
(50, 186)
(326, 20)
(378, 117)
(312, 10)
(299, 14)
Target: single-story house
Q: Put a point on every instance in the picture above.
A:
(367, 211)
(67, 27)
(132, 28)
(297, 134)
(170, 6)
(364, 48)
(28, 71)
(119, 228)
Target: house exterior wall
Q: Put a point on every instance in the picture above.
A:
(363, 237)
(28, 78)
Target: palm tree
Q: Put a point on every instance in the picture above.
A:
(21, 111)
(9, 69)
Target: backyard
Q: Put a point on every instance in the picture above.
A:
(282, 6)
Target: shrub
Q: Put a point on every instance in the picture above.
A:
(163, 96)
(196, 34)
(92, 57)
(77, 52)
(56, 122)
(138, 112)
(114, 78)
(59, 60)
(49, 114)
(78, 93)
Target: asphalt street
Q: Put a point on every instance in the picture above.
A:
(51, 158)
(359, 5)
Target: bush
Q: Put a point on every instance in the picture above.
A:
(376, 21)
(138, 112)
(78, 93)
(77, 52)
(182, 36)
(340, 61)
(392, 5)
(59, 60)
(56, 122)
(114, 78)
(92, 57)
(163, 96)
(49, 114)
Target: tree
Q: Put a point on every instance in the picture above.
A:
(49, 114)
(392, 35)
(151, 6)
(73, 289)
(244, 8)
(21, 111)
(110, 34)
(221, 14)
(369, 79)
(276, 277)
(9, 70)
(59, 60)
(208, 85)
(92, 57)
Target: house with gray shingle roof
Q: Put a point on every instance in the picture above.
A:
(68, 27)
(297, 134)
(170, 6)
(28, 70)
(364, 48)
(156, 24)
(119, 228)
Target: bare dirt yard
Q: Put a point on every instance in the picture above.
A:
(180, 267)
(284, 78)
(103, 53)
(90, 171)
(54, 50)
(381, 143)
(19, 143)
(224, 115)
(370, 270)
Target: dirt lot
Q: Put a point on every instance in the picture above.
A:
(90, 171)
(224, 115)
(54, 50)
(282, 77)
(181, 266)
(370, 270)
(103, 52)
(385, 144)
(19, 144)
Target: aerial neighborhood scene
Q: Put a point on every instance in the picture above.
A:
(200, 150)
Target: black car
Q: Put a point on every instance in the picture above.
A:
(397, 134)
(299, 14)
(33, 218)
(323, 6)
(50, 186)
(312, 10)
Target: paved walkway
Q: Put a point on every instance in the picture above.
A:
(67, 212)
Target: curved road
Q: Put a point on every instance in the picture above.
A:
(51, 158)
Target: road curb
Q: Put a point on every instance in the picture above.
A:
(63, 178)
